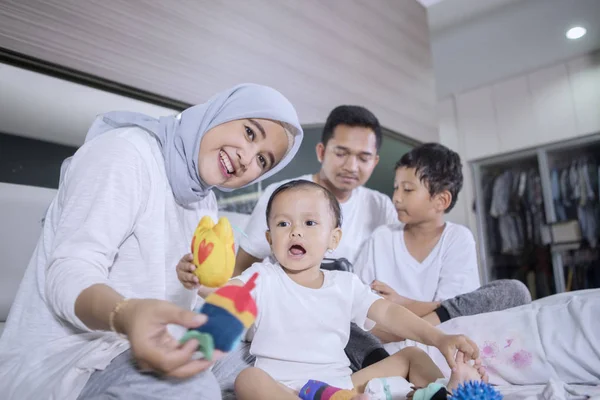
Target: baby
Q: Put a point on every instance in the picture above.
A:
(304, 316)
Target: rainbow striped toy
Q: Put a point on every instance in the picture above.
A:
(230, 311)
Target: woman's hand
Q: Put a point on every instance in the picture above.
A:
(448, 345)
(185, 272)
(144, 321)
(389, 294)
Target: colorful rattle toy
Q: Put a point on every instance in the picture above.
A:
(230, 311)
(214, 252)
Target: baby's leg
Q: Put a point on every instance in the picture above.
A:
(411, 363)
(255, 384)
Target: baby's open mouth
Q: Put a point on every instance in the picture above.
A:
(226, 162)
(297, 250)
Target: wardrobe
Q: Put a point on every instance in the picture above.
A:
(538, 215)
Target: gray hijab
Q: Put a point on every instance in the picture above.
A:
(179, 136)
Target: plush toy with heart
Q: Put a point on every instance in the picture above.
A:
(213, 249)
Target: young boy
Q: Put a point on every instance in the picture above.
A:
(427, 264)
(304, 316)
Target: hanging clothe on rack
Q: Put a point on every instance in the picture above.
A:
(519, 245)
(575, 194)
(517, 205)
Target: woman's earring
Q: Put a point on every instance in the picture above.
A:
(329, 251)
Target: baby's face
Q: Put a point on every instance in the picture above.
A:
(301, 228)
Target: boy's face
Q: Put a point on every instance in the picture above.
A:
(350, 156)
(301, 228)
(236, 153)
(412, 200)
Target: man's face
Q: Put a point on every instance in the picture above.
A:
(350, 156)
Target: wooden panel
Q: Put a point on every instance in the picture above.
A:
(552, 103)
(514, 114)
(477, 123)
(319, 54)
(584, 75)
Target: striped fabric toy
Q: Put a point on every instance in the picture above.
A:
(317, 390)
(231, 310)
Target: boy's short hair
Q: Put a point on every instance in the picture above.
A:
(301, 183)
(354, 116)
(438, 167)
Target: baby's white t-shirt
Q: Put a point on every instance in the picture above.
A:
(300, 333)
(448, 271)
(362, 213)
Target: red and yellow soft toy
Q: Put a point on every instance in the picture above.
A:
(213, 249)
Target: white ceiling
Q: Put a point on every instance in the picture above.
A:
(43, 107)
(477, 42)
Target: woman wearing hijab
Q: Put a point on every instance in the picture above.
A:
(90, 317)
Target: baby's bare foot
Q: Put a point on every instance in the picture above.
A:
(360, 397)
(465, 372)
(482, 371)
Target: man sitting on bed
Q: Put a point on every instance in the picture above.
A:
(427, 264)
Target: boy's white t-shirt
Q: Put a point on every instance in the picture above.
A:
(448, 271)
(300, 333)
(362, 213)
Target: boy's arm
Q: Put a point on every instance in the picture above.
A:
(420, 308)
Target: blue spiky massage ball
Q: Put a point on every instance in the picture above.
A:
(475, 390)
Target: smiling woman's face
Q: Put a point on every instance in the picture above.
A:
(236, 153)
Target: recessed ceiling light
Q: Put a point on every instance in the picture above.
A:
(576, 32)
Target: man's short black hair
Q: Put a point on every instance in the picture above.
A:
(438, 167)
(354, 116)
(301, 183)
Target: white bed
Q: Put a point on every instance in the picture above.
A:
(532, 350)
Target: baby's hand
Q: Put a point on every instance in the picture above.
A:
(185, 272)
(448, 345)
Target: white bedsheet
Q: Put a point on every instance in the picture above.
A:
(553, 390)
(398, 388)
(540, 347)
